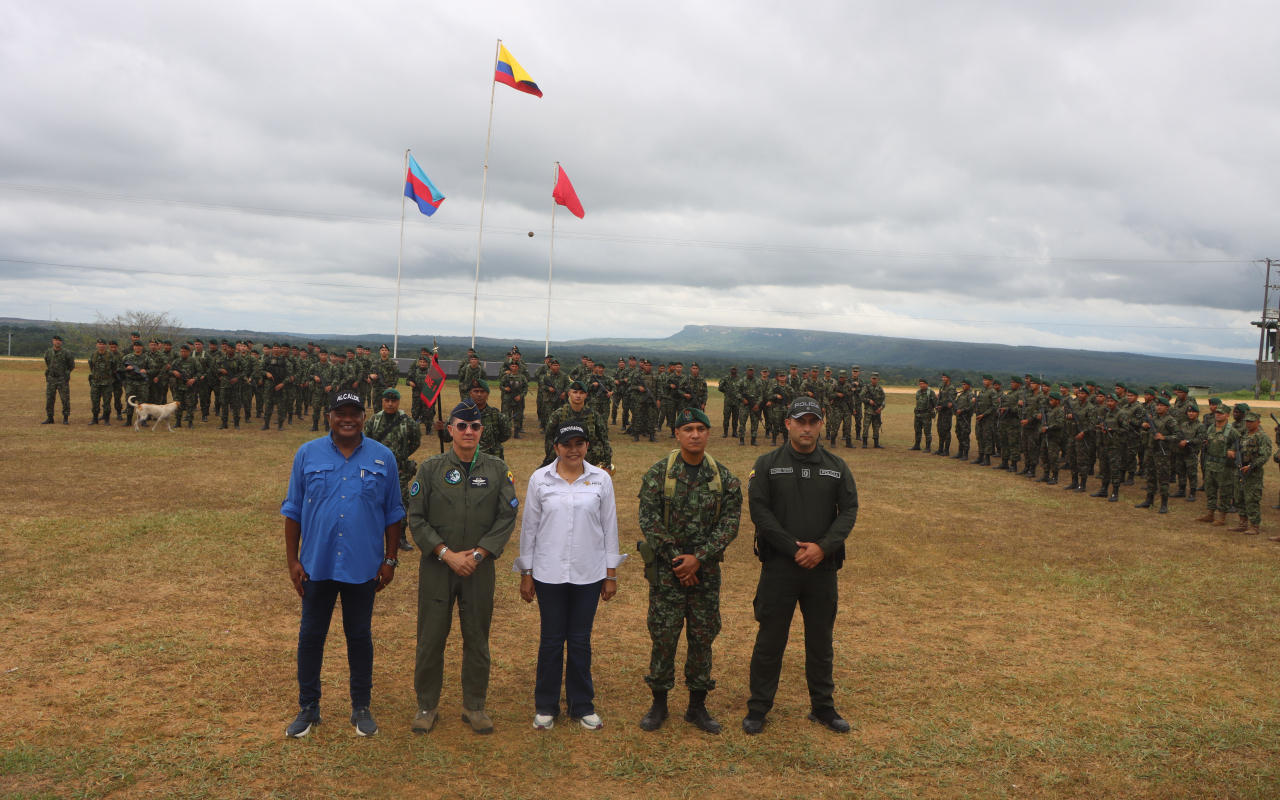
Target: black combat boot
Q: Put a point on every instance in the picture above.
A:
(1182, 490)
(66, 418)
(1075, 483)
(1191, 495)
(928, 445)
(1047, 477)
(315, 425)
(1013, 466)
(1164, 504)
(1129, 480)
(864, 444)
(981, 459)
(1151, 496)
(848, 443)
(753, 441)
(266, 422)
(1083, 480)
(48, 421)
(106, 419)
(1115, 494)
(95, 418)
(877, 446)
(635, 437)
(1054, 480)
(742, 441)
(1004, 464)
(1102, 491)
(657, 713)
(191, 423)
(724, 435)
(405, 544)
(223, 426)
(698, 715)
(653, 437)
(279, 424)
(915, 446)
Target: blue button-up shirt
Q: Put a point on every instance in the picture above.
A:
(344, 506)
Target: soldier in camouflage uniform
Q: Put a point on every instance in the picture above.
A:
(765, 384)
(514, 387)
(619, 388)
(388, 370)
(1110, 439)
(102, 373)
(1221, 441)
(1079, 437)
(58, 366)
(402, 435)
(117, 383)
(1255, 447)
(751, 392)
(685, 537)
(553, 387)
(1052, 425)
(536, 382)
(777, 397)
(413, 380)
(137, 368)
(646, 402)
(926, 402)
(320, 383)
(1010, 415)
(696, 388)
(1188, 449)
(599, 452)
(841, 396)
(275, 376)
(1031, 428)
(946, 415)
(732, 402)
(965, 403)
(186, 374)
(599, 392)
(497, 429)
(672, 396)
(873, 399)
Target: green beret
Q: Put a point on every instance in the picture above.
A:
(1178, 387)
(945, 375)
(965, 382)
(113, 341)
(480, 383)
(1242, 407)
(693, 363)
(690, 416)
(550, 356)
(577, 385)
(1193, 407)
(1028, 375)
(102, 341)
(1162, 401)
(1217, 401)
(135, 333)
(555, 362)
(1253, 416)
(922, 380)
(1091, 383)
(1152, 390)
(1055, 396)
(986, 376)
(1122, 384)
(391, 393)
(1014, 379)
(186, 347)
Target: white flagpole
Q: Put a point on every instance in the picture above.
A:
(484, 184)
(552, 261)
(395, 341)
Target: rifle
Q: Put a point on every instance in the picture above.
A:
(1152, 423)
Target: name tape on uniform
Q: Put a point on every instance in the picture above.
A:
(781, 471)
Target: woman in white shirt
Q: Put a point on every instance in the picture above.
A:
(569, 560)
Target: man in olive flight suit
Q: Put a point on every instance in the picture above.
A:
(462, 511)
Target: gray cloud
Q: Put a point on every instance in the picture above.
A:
(1139, 131)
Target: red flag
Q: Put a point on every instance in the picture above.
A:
(432, 383)
(566, 196)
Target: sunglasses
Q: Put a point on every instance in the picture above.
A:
(469, 426)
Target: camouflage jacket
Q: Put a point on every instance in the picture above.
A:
(1217, 443)
(812, 388)
(729, 388)
(399, 433)
(698, 391)
(390, 372)
(621, 377)
(275, 372)
(985, 402)
(947, 399)
(649, 383)
(751, 392)
(1192, 437)
(844, 403)
(777, 396)
(467, 374)
(873, 396)
(188, 369)
(691, 524)
(513, 388)
(553, 387)
(1168, 425)
(599, 452)
(926, 402)
(497, 429)
(136, 368)
(1055, 419)
(1257, 451)
(102, 369)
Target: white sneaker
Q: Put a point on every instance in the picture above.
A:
(591, 722)
(543, 722)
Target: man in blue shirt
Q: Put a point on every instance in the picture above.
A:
(341, 534)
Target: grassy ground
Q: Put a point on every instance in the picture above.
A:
(996, 639)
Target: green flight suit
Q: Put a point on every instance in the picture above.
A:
(461, 506)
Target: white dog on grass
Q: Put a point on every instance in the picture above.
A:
(164, 413)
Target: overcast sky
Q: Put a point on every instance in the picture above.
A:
(907, 169)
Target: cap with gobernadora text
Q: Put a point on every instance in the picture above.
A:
(345, 399)
(804, 405)
(570, 430)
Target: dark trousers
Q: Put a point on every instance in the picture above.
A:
(318, 598)
(783, 584)
(568, 611)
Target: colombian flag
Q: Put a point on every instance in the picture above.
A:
(419, 188)
(512, 74)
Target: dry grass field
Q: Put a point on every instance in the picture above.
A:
(996, 638)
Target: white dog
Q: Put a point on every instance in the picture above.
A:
(164, 413)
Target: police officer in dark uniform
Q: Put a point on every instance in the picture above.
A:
(804, 503)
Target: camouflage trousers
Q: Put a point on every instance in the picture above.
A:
(1051, 449)
(1010, 433)
(272, 399)
(697, 611)
(1220, 489)
(1109, 460)
(300, 397)
(754, 418)
(945, 420)
(541, 408)
(1076, 451)
(158, 390)
(57, 388)
(1185, 462)
(136, 390)
(515, 414)
(187, 396)
(839, 419)
(858, 418)
(1159, 468)
(232, 401)
(319, 407)
(872, 428)
(601, 408)
(117, 397)
(645, 419)
(100, 395)
(627, 412)
(924, 425)
(963, 427)
(987, 431)
(1251, 489)
(613, 407)
(732, 414)
(246, 400)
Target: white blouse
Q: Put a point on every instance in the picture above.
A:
(570, 530)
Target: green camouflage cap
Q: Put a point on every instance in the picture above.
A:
(811, 369)
(751, 367)
(875, 374)
(1253, 416)
(843, 374)
(733, 366)
(857, 368)
(793, 366)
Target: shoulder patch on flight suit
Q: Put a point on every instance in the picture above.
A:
(414, 488)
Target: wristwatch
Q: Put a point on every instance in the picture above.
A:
(478, 556)
(440, 555)
(391, 562)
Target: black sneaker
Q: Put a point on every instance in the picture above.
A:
(829, 718)
(363, 722)
(301, 726)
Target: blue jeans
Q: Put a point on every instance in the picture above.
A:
(568, 611)
(318, 598)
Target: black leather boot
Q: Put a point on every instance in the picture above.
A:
(1164, 505)
(1148, 502)
(698, 715)
(1075, 483)
(1115, 494)
(657, 713)
(1083, 480)
(1182, 490)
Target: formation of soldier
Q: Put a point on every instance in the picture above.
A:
(853, 409)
